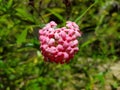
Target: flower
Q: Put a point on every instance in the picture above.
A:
(59, 45)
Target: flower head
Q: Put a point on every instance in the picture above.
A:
(59, 44)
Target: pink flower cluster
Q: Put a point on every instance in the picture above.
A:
(59, 44)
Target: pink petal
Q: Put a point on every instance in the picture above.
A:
(65, 44)
(63, 34)
(60, 56)
(68, 49)
(71, 32)
(60, 41)
(60, 47)
(66, 56)
(45, 46)
(75, 25)
(77, 34)
(74, 43)
(76, 49)
(41, 32)
(68, 38)
(53, 50)
(53, 24)
(69, 25)
(72, 52)
(51, 41)
(56, 35)
(73, 37)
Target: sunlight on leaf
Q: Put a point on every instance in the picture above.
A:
(22, 37)
(9, 4)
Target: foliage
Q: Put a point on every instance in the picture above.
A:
(21, 63)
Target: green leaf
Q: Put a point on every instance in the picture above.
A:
(22, 37)
(2, 64)
(78, 18)
(0, 0)
(58, 10)
(23, 13)
(88, 42)
(9, 4)
(53, 11)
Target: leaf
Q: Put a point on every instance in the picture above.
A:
(23, 13)
(78, 18)
(56, 14)
(88, 42)
(58, 10)
(2, 64)
(22, 37)
(0, 0)
(9, 4)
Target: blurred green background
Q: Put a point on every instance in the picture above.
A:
(95, 67)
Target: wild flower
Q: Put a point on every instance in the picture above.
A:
(59, 45)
